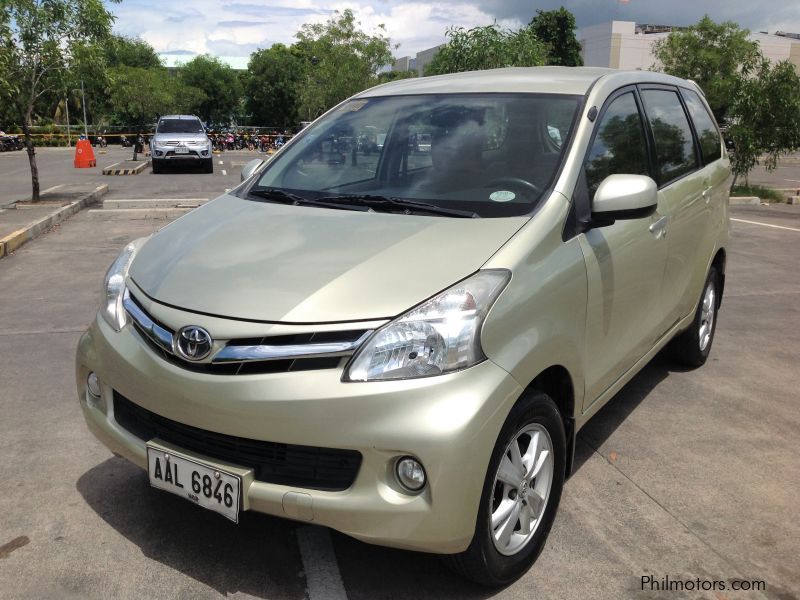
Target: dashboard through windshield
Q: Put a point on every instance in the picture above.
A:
(493, 155)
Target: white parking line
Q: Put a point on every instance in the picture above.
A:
(224, 172)
(765, 224)
(323, 580)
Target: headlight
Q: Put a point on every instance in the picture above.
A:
(114, 285)
(439, 336)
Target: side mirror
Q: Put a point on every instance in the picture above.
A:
(623, 197)
(250, 168)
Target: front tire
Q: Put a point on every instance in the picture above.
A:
(520, 495)
(156, 166)
(208, 165)
(692, 347)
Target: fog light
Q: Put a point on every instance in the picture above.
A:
(159, 153)
(204, 152)
(410, 473)
(93, 385)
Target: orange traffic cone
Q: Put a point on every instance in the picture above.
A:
(84, 155)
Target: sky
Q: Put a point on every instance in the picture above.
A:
(239, 27)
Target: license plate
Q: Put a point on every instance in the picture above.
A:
(204, 485)
(180, 150)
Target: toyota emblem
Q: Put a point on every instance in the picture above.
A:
(192, 343)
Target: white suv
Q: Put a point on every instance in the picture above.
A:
(180, 138)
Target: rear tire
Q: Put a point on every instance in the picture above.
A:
(493, 559)
(692, 347)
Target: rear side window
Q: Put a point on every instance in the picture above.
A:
(620, 146)
(707, 132)
(675, 155)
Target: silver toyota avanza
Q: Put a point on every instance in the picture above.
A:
(402, 342)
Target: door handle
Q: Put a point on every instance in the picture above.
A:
(707, 194)
(659, 228)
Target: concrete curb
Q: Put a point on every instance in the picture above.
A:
(736, 200)
(137, 214)
(111, 170)
(20, 237)
(148, 203)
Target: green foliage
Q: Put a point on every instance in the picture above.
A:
(219, 86)
(389, 76)
(131, 52)
(488, 47)
(340, 60)
(760, 191)
(765, 114)
(760, 100)
(41, 42)
(139, 96)
(556, 30)
(713, 55)
(272, 88)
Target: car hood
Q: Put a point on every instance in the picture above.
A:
(297, 264)
(179, 137)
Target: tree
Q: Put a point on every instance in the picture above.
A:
(556, 30)
(714, 55)
(140, 96)
(340, 60)
(41, 41)
(272, 90)
(766, 117)
(220, 86)
(760, 101)
(389, 76)
(488, 47)
(130, 52)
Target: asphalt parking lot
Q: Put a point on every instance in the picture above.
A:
(56, 167)
(685, 474)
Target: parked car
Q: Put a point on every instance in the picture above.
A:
(403, 348)
(180, 139)
(11, 142)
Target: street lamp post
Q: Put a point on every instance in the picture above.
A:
(69, 136)
(83, 102)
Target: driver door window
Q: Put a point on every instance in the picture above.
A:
(620, 145)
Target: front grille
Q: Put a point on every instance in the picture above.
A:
(246, 367)
(309, 467)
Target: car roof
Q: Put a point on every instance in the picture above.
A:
(553, 80)
(187, 117)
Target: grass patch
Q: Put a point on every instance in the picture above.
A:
(762, 192)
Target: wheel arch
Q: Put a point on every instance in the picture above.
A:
(719, 262)
(556, 382)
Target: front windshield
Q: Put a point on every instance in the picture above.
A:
(180, 126)
(494, 154)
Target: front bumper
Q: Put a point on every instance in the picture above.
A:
(169, 153)
(450, 423)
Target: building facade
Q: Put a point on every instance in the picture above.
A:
(407, 63)
(626, 45)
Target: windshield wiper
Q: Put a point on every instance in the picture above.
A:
(408, 206)
(285, 197)
(279, 195)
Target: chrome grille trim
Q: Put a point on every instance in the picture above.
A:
(265, 352)
(154, 331)
(231, 352)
